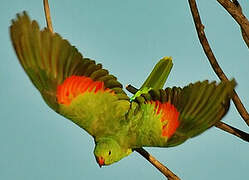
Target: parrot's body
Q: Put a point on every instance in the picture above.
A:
(85, 93)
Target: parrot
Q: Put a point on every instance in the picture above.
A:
(84, 92)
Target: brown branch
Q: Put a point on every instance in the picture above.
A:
(235, 10)
(131, 89)
(47, 14)
(233, 130)
(245, 37)
(208, 51)
(223, 126)
(163, 169)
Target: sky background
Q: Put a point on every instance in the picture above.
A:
(128, 38)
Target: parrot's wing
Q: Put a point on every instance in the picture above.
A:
(171, 116)
(64, 78)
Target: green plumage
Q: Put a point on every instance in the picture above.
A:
(200, 105)
(49, 60)
(159, 74)
(118, 124)
(100, 114)
(157, 77)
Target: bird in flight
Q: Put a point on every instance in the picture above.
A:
(85, 93)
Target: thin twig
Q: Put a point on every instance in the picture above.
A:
(131, 89)
(163, 169)
(223, 126)
(208, 51)
(235, 10)
(47, 14)
(233, 130)
(244, 35)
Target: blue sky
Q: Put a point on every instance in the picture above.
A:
(128, 38)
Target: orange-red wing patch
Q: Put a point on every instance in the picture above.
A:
(169, 118)
(76, 85)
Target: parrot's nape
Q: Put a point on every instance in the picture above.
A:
(84, 92)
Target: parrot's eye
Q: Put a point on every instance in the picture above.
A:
(110, 152)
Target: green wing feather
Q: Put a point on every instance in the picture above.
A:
(200, 106)
(48, 60)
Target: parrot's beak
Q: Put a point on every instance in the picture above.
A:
(101, 161)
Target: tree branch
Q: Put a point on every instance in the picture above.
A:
(232, 130)
(235, 10)
(223, 126)
(208, 51)
(47, 14)
(163, 169)
(131, 89)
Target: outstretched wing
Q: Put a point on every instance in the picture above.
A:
(168, 117)
(73, 86)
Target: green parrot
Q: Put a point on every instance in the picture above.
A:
(82, 91)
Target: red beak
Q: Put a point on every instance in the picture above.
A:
(101, 161)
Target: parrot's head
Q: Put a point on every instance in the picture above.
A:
(108, 151)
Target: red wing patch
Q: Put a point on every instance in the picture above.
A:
(169, 117)
(76, 85)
